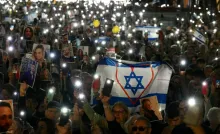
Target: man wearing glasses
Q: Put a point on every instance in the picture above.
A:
(141, 126)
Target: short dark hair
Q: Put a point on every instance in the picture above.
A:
(200, 61)
(5, 104)
(172, 110)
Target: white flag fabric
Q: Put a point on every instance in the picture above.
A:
(152, 31)
(199, 37)
(135, 80)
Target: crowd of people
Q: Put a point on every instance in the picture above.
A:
(67, 41)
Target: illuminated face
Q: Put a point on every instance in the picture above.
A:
(66, 51)
(38, 54)
(5, 118)
(28, 33)
(147, 105)
(119, 114)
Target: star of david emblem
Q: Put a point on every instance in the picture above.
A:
(138, 79)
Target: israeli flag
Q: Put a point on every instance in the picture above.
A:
(135, 80)
(102, 39)
(199, 37)
(152, 31)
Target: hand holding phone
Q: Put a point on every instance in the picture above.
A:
(108, 87)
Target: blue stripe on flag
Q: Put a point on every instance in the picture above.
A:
(160, 97)
(199, 40)
(146, 27)
(112, 62)
(152, 39)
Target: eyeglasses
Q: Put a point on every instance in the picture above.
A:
(138, 128)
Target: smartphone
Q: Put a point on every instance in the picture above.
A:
(108, 87)
(64, 117)
(217, 84)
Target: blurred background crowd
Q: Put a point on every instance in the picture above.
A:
(67, 40)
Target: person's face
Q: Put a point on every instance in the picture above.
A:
(175, 121)
(43, 127)
(201, 65)
(193, 60)
(119, 114)
(28, 33)
(208, 71)
(6, 95)
(38, 54)
(141, 127)
(5, 118)
(66, 51)
(147, 105)
(52, 113)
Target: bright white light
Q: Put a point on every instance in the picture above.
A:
(51, 90)
(183, 62)
(103, 42)
(56, 40)
(93, 57)
(191, 102)
(118, 14)
(96, 41)
(64, 110)
(204, 83)
(10, 48)
(64, 65)
(123, 42)
(108, 82)
(216, 58)
(9, 38)
(15, 93)
(193, 38)
(156, 44)
(22, 113)
(182, 19)
(52, 55)
(96, 76)
(154, 19)
(78, 83)
(98, 48)
(130, 51)
(178, 42)
(81, 96)
(141, 14)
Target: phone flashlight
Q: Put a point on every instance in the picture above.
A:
(96, 76)
(64, 65)
(81, 96)
(108, 81)
(78, 83)
(22, 113)
(204, 83)
(130, 51)
(93, 57)
(52, 55)
(183, 62)
(15, 93)
(51, 91)
(10, 48)
(64, 117)
(191, 102)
